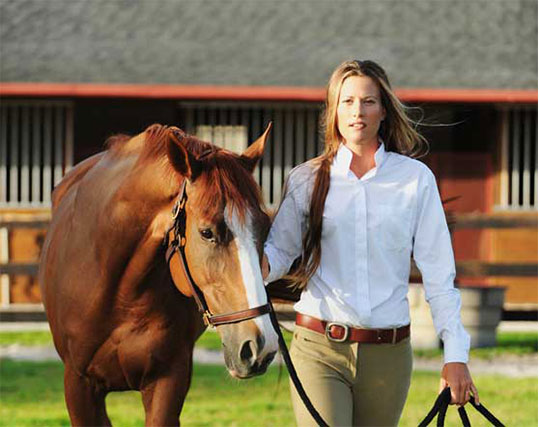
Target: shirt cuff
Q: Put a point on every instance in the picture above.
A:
(456, 348)
(274, 273)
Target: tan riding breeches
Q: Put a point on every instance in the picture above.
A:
(350, 383)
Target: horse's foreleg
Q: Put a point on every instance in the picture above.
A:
(85, 402)
(163, 398)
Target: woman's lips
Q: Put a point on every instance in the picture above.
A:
(358, 125)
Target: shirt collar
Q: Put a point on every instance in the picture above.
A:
(343, 158)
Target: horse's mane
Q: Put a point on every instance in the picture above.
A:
(223, 178)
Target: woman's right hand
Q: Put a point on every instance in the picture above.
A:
(265, 267)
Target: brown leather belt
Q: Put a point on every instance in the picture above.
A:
(339, 332)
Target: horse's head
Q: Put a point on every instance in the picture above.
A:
(224, 229)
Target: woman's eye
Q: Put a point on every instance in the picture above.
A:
(207, 234)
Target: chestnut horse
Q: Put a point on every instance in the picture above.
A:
(121, 318)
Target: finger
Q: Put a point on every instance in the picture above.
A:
(475, 393)
(464, 394)
(454, 394)
(443, 385)
(467, 395)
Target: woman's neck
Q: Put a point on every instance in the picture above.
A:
(362, 157)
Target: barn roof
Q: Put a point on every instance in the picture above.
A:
(430, 44)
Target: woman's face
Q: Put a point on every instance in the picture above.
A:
(359, 110)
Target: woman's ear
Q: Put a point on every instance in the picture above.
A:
(252, 155)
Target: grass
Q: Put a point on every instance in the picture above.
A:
(31, 393)
(26, 338)
(509, 343)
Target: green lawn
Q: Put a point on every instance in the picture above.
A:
(31, 394)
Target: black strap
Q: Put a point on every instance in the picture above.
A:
(293, 374)
(440, 408)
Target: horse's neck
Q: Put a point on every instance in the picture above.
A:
(134, 220)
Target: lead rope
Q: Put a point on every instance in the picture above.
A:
(293, 374)
(440, 408)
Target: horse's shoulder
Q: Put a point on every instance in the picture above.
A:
(72, 178)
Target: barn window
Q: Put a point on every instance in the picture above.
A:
(293, 140)
(233, 138)
(36, 150)
(518, 177)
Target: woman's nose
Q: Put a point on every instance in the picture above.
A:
(357, 109)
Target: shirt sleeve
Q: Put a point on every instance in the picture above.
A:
(434, 257)
(284, 242)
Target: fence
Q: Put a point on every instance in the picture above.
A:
(470, 268)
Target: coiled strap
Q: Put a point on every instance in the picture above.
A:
(440, 408)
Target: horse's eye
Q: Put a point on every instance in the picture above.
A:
(207, 234)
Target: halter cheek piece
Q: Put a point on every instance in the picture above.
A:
(177, 245)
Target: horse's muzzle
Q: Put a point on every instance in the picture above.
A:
(250, 360)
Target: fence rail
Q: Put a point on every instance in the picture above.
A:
(469, 268)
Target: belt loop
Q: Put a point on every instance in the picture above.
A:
(394, 340)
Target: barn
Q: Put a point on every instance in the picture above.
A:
(73, 74)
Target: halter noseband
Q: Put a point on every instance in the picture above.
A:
(177, 245)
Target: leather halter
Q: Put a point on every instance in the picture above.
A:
(177, 245)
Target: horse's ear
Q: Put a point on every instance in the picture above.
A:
(179, 155)
(252, 155)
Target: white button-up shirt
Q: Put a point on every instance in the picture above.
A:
(371, 226)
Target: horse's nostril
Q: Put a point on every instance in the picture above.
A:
(267, 360)
(248, 351)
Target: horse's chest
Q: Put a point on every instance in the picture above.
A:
(129, 362)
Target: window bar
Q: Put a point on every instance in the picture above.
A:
(69, 155)
(58, 144)
(277, 157)
(504, 172)
(3, 155)
(212, 121)
(14, 158)
(234, 138)
(47, 140)
(300, 137)
(266, 166)
(526, 184)
(189, 125)
(311, 134)
(516, 160)
(199, 117)
(25, 155)
(36, 156)
(288, 142)
(256, 116)
(233, 116)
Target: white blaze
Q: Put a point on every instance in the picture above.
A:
(251, 275)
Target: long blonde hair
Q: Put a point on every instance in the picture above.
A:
(398, 131)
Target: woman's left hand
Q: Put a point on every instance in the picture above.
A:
(457, 376)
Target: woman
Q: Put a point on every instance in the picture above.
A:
(355, 215)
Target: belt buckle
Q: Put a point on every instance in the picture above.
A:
(380, 332)
(346, 329)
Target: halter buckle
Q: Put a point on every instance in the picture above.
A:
(206, 317)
